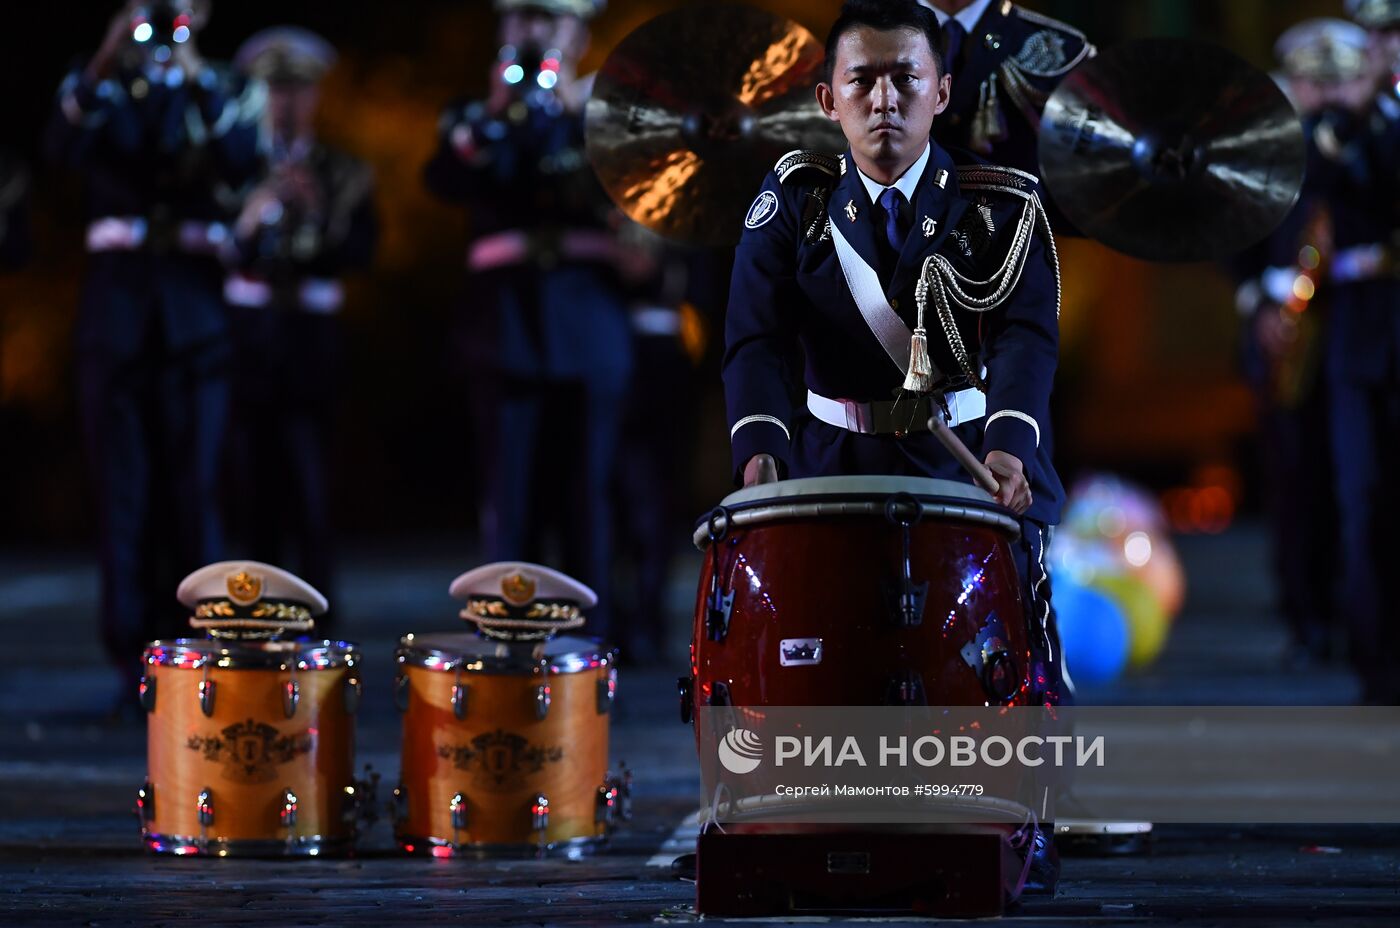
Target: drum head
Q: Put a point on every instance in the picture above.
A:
(449, 650)
(836, 497)
(259, 655)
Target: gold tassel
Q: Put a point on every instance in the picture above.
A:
(920, 376)
(988, 123)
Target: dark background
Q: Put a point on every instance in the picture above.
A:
(1148, 383)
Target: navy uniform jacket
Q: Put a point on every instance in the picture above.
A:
(1007, 67)
(166, 154)
(548, 317)
(1358, 173)
(788, 289)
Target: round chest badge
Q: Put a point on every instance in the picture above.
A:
(763, 209)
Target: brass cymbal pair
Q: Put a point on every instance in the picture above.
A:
(1165, 149)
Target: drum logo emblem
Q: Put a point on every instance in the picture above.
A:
(244, 588)
(517, 589)
(497, 760)
(251, 751)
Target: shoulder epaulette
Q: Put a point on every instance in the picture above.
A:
(1040, 58)
(997, 177)
(795, 161)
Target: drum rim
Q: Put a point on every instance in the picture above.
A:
(881, 485)
(578, 844)
(413, 653)
(300, 846)
(752, 509)
(237, 655)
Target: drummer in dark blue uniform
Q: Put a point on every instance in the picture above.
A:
(1358, 138)
(864, 259)
(545, 335)
(1005, 61)
(309, 220)
(163, 140)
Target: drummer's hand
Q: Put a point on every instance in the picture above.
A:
(760, 469)
(1015, 491)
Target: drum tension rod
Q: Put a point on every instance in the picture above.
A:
(905, 597)
(718, 606)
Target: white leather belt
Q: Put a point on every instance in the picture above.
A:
(875, 418)
(314, 294)
(130, 233)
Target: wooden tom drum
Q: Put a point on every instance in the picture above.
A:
(505, 746)
(250, 747)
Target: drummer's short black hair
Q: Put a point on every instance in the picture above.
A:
(885, 14)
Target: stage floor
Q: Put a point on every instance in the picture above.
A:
(70, 851)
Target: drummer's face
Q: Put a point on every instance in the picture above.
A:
(885, 90)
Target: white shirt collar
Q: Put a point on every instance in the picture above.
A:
(908, 181)
(968, 17)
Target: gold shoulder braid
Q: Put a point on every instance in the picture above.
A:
(951, 289)
(496, 619)
(266, 619)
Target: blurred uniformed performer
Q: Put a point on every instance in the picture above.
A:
(1284, 296)
(832, 255)
(546, 336)
(1005, 61)
(161, 138)
(1358, 140)
(308, 221)
(15, 242)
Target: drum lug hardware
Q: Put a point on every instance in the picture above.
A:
(361, 798)
(607, 804)
(206, 694)
(458, 808)
(539, 812)
(686, 687)
(906, 688)
(607, 691)
(623, 784)
(719, 695)
(354, 689)
(288, 814)
(906, 598)
(988, 656)
(542, 700)
(148, 692)
(291, 696)
(204, 804)
(146, 802)
(401, 690)
(399, 807)
(459, 699)
(718, 606)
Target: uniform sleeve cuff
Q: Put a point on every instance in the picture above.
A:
(759, 435)
(1015, 433)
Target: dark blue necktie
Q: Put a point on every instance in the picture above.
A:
(892, 201)
(953, 35)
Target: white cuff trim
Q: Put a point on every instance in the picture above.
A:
(749, 420)
(1016, 414)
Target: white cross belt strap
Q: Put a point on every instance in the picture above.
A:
(869, 295)
(963, 406)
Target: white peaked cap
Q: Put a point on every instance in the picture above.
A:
(520, 583)
(247, 582)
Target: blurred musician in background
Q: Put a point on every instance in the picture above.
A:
(308, 221)
(162, 139)
(1283, 297)
(545, 334)
(1005, 61)
(1358, 140)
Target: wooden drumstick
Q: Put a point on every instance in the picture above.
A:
(980, 474)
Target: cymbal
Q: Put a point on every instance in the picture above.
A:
(1172, 150)
(694, 107)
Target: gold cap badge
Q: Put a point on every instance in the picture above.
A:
(244, 588)
(517, 589)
